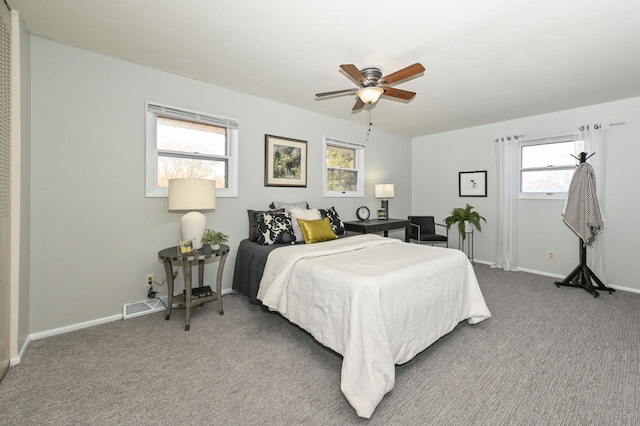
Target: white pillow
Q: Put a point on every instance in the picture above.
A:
(304, 214)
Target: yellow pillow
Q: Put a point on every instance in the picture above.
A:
(315, 231)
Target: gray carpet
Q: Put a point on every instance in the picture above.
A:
(548, 356)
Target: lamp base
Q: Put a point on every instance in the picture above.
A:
(384, 205)
(192, 227)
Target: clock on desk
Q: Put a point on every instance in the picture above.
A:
(363, 213)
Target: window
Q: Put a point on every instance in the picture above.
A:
(547, 166)
(183, 143)
(344, 168)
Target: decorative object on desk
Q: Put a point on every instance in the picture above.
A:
(215, 238)
(285, 162)
(462, 215)
(472, 184)
(382, 214)
(363, 213)
(192, 194)
(186, 246)
(384, 191)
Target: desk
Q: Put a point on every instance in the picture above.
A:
(172, 254)
(378, 225)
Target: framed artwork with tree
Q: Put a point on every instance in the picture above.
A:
(285, 162)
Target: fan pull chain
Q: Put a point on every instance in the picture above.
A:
(370, 125)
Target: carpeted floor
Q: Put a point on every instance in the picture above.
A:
(548, 356)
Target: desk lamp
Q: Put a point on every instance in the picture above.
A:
(384, 191)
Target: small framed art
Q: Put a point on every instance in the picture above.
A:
(472, 184)
(285, 162)
(186, 246)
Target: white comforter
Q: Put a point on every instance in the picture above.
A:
(376, 301)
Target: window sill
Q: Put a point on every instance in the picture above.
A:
(542, 195)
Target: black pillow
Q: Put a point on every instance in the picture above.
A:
(334, 217)
(275, 228)
(254, 216)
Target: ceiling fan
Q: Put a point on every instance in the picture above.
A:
(373, 84)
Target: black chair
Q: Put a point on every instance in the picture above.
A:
(423, 231)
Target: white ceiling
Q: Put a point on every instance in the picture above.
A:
(485, 60)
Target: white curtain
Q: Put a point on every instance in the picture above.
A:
(594, 137)
(508, 177)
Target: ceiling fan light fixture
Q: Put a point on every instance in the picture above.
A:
(370, 95)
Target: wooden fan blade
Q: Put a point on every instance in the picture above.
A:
(404, 73)
(398, 93)
(336, 92)
(355, 74)
(359, 105)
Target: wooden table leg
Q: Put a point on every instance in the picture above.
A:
(186, 267)
(219, 283)
(201, 272)
(168, 270)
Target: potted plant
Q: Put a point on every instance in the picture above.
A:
(215, 238)
(465, 218)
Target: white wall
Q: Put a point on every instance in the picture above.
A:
(94, 234)
(438, 158)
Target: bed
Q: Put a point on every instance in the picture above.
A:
(376, 301)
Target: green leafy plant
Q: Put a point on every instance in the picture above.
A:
(460, 215)
(214, 237)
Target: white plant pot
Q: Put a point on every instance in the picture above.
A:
(468, 227)
(215, 246)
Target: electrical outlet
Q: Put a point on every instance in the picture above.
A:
(551, 255)
(148, 280)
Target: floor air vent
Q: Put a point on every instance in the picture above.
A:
(144, 307)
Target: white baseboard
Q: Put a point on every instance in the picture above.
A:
(546, 274)
(561, 277)
(79, 326)
(74, 327)
(23, 350)
(630, 290)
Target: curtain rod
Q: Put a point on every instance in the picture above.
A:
(620, 123)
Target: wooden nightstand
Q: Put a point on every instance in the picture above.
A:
(185, 300)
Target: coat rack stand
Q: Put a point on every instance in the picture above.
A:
(582, 275)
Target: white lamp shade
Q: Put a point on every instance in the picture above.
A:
(384, 190)
(192, 194)
(370, 95)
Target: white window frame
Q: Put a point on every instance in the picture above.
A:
(359, 148)
(542, 195)
(153, 110)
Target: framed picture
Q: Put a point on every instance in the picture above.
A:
(285, 162)
(186, 246)
(472, 184)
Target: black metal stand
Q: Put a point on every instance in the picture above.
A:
(582, 276)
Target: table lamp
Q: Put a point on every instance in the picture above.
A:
(384, 191)
(192, 194)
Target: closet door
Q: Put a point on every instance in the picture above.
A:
(5, 184)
